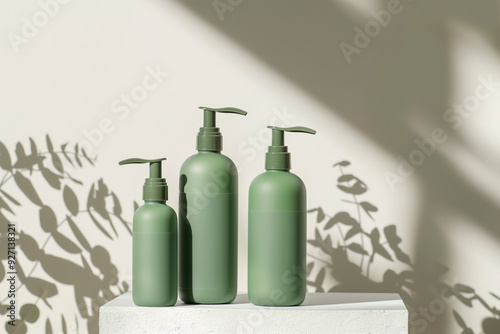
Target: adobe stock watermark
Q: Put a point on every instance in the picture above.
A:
(256, 143)
(455, 117)
(122, 106)
(364, 36)
(225, 6)
(421, 319)
(30, 27)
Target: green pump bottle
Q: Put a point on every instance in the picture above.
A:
(154, 259)
(208, 219)
(277, 229)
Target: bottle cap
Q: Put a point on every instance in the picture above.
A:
(155, 187)
(277, 156)
(209, 137)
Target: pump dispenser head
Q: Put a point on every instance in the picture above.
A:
(209, 137)
(155, 188)
(277, 156)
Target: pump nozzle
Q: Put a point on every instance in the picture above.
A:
(155, 187)
(277, 156)
(209, 137)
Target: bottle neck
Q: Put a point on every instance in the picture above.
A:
(154, 202)
(278, 170)
(278, 158)
(155, 190)
(209, 139)
(209, 151)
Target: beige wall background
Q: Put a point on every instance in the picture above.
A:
(379, 80)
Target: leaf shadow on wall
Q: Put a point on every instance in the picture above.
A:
(361, 244)
(402, 77)
(87, 268)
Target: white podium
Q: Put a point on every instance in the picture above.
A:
(342, 313)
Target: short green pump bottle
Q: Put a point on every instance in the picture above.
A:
(277, 229)
(208, 219)
(154, 260)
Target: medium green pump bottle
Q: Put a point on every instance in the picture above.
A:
(154, 260)
(208, 219)
(277, 229)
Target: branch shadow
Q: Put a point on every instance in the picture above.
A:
(96, 281)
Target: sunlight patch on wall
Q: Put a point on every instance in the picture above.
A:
(359, 9)
(473, 57)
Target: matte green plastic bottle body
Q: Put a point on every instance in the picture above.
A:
(277, 239)
(154, 265)
(208, 229)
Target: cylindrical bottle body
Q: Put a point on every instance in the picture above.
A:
(277, 240)
(208, 229)
(154, 263)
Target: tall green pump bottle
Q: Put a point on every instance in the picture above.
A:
(154, 260)
(208, 219)
(277, 229)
